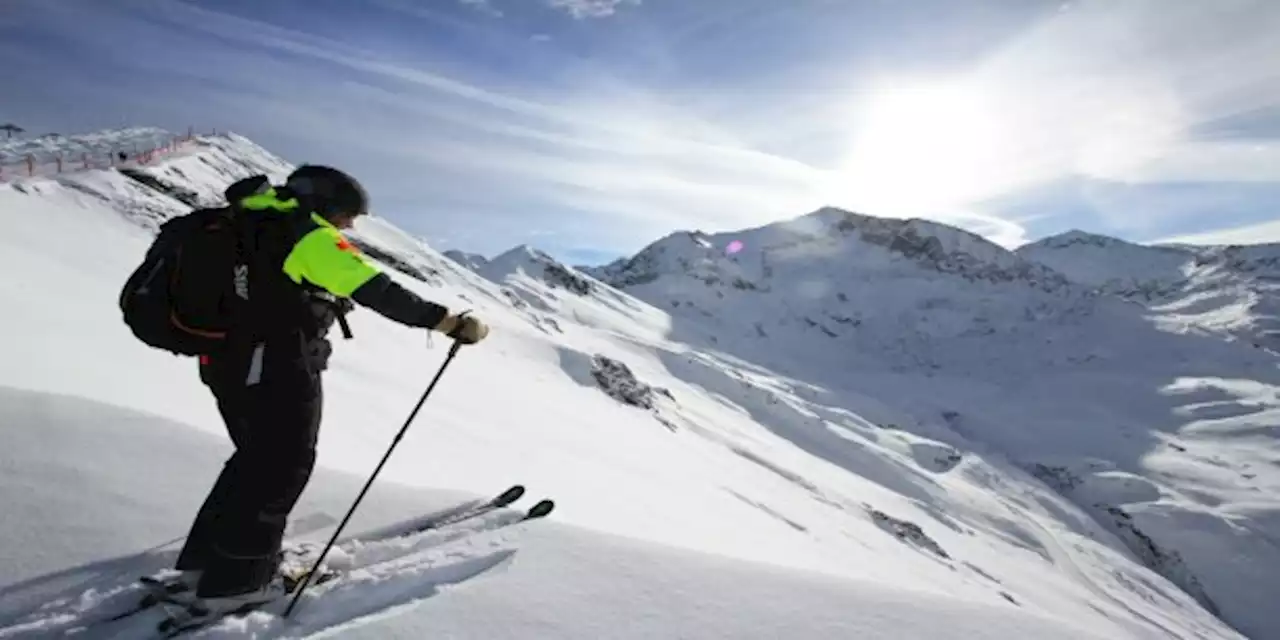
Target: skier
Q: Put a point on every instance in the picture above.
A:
(266, 381)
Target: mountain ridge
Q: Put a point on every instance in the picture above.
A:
(1166, 277)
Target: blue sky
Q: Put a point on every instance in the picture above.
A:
(589, 128)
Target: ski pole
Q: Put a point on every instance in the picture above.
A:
(306, 580)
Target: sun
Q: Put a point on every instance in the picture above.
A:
(920, 145)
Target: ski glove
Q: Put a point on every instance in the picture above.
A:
(466, 329)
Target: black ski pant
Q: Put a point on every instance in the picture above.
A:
(237, 534)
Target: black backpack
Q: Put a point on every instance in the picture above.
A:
(184, 296)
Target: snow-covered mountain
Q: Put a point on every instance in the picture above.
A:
(1111, 263)
(473, 261)
(851, 427)
(1079, 387)
(1232, 290)
(905, 295)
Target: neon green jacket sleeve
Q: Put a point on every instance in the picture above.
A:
(326, 259)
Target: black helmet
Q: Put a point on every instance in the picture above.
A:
(328, 191)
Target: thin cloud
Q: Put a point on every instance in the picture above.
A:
(1259, 233)
(483, 6)
(1213, 161)
(1112, 92)
(615, 162)
(644, 153)
(1115, 91)
(582, 9)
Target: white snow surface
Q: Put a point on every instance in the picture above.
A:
(853, 428)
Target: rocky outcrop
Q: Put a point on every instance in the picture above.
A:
(557, 275)
(907, 531)
(617, 380)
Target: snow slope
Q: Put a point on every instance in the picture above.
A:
(516, 585)
(711, 482)
(1229, 290)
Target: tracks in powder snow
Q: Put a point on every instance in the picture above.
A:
(382, 574)
(376, 570)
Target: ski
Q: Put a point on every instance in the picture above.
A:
(192, 618)
(172, 627)
(540, 509)
(449, 517)
(159, 592)
(504, 499)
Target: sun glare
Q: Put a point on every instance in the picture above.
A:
(918, 146)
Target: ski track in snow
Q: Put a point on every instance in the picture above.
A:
(897, 406)
(379, 577)
(373, 589)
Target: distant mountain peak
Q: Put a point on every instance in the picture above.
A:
(1078, 237)
(830, 236)
(472, 261)
(534, 262)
